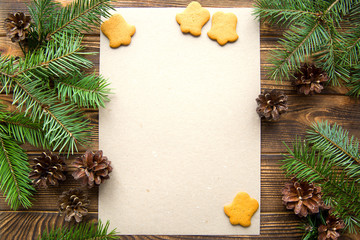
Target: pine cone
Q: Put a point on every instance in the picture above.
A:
(17, 26)
(303, 197)
(48, 170)
(271, 104)
(329, 231)
(73, 203)
(92, 168)
(310, 79)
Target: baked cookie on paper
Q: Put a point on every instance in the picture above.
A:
(223, 28)
(241, 209)
(193, 18)
(118, 31)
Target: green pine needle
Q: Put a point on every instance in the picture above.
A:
(66, 127)
(334, 142)
(47, 97)
(14, 169)
(22, 129)
(314, 33)
(82, 231)
(40, 11)
(78, 16)
(354, 83)
(298, 43)
(284, 12)
(339, 192)
(88, 91)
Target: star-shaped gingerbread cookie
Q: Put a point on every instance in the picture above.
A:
(193, 18)
(241, 209)
(223, 28)
(118, 31)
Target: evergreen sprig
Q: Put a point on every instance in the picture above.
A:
(82, 231)
(49, 89)
(78, 16)
(322, 158)
(334, 142)
(22, 128)
(354, 82)
(88, 91)
(14, 170)
(314, 32)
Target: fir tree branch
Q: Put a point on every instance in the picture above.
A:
(283, 12)
(354, 82)
(84, 90)
(14, 170)
(79, 16)
(334, 142)
(329, 57)
(312, 35)
(63, 124)
(41, 11)
(83, 231)
(299, 42)
(60, 57)
(65, 128)
(339, 192)
(22, 129)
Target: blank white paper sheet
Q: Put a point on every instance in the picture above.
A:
(181, 129)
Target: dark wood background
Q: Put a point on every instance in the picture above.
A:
(276, 221)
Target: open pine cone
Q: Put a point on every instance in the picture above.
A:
(73, 203)
(48, 170)
(17, 26)
(303, 197)
(271, 104)
(330, 230)
(92, 168)
(310, 79)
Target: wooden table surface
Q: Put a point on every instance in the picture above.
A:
(276, 221)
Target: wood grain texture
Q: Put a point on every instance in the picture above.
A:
(276, 221)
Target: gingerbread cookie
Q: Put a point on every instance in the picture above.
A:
(223, 28)
(118, 31)
(241, 209)
(193, 18)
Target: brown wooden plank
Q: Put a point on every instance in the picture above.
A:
(303, 110)
(276, 222)
(28, 225)
(272, 181)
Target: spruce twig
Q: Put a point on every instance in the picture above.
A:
(82, 231)
(334, 142)
(79, 16)
(314, 32)
(48, 116)
(14, 170)
(88, 91)
(321, 164)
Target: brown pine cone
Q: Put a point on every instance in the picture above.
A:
(310, 79)
(73, 203)
(48, 170)
(271, 104)
(17, 26)
(303, 197)
(330, 230)
(92, 168)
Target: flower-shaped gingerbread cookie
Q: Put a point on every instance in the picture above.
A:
(223, 28)
(118, 31)
(241, 209)
(193, 18)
